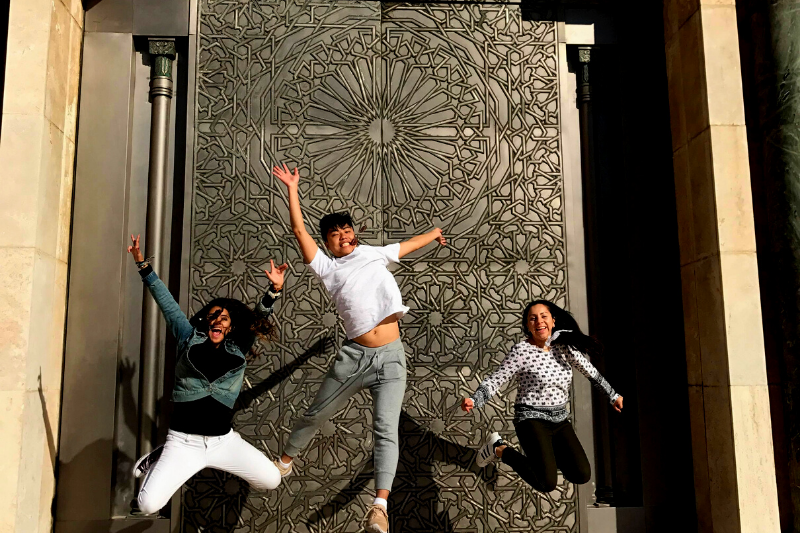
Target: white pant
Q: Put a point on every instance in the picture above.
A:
(184, 455)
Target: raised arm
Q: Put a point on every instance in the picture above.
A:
(291, 179)
(580, 363)
(420, 241)
(177, 322)
(275, 274)
(508, 368)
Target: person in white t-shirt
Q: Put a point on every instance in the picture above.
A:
(368, 299)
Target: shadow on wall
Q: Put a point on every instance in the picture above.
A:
(415, 501)
(221, 503)
(89, 4)
(48, 426)
(122, 479)
(230, 493)
(135, 526)
(95, 457)
(51, 442)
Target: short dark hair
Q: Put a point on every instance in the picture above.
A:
(333, 221)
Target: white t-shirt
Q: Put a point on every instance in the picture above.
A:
(362, 288)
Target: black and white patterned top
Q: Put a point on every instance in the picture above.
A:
(544, 379)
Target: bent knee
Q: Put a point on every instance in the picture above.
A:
(580, 477)
(547, 480)
(268, 481)
(148, 504)
(549, 485)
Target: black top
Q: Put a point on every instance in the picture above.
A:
(206, 416)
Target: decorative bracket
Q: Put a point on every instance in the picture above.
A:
(584, 87)
(163, 53)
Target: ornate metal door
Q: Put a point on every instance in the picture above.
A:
(411, 117)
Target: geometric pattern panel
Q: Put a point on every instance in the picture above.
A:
(412, 117)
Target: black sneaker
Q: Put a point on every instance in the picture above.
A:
(144, 463)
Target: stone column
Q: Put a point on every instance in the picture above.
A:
(729, 399)
(770, 43)
(37, 158)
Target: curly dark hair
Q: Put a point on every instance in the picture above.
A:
(244, 322)
(564, 322)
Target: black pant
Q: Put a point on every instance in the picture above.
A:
(548, 445)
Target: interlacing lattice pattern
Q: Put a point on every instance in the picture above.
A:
(411, 116)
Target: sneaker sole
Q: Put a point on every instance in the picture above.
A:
(136, 472)
(375, 528)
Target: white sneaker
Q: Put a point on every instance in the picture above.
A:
(144, 463)
(486, 452)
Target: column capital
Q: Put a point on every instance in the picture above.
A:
(161, 47)
(584, 85)
(162, 52)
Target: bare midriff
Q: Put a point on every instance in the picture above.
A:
(381, 335)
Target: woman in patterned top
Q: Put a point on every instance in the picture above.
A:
(543, 366)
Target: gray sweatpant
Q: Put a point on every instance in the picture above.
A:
(381, 370)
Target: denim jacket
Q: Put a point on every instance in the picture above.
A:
(191, 384)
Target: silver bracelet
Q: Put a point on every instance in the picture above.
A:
(144, 263)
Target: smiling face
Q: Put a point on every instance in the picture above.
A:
(341, 241)
(219, 324)
(540, 323)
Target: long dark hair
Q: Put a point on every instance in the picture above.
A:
(244, 322)
(571, 334)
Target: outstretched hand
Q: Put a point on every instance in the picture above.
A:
(467, 404)
(275, 274)
(440, 238)
(618, 404)
(291, 179)
(134, 249)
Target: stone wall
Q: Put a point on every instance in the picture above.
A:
(36, 157)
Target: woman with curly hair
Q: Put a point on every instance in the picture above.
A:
(542, 365)
(213, 350)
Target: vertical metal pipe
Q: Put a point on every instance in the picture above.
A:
(603, 475)
(162, 53)
(585, 107)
